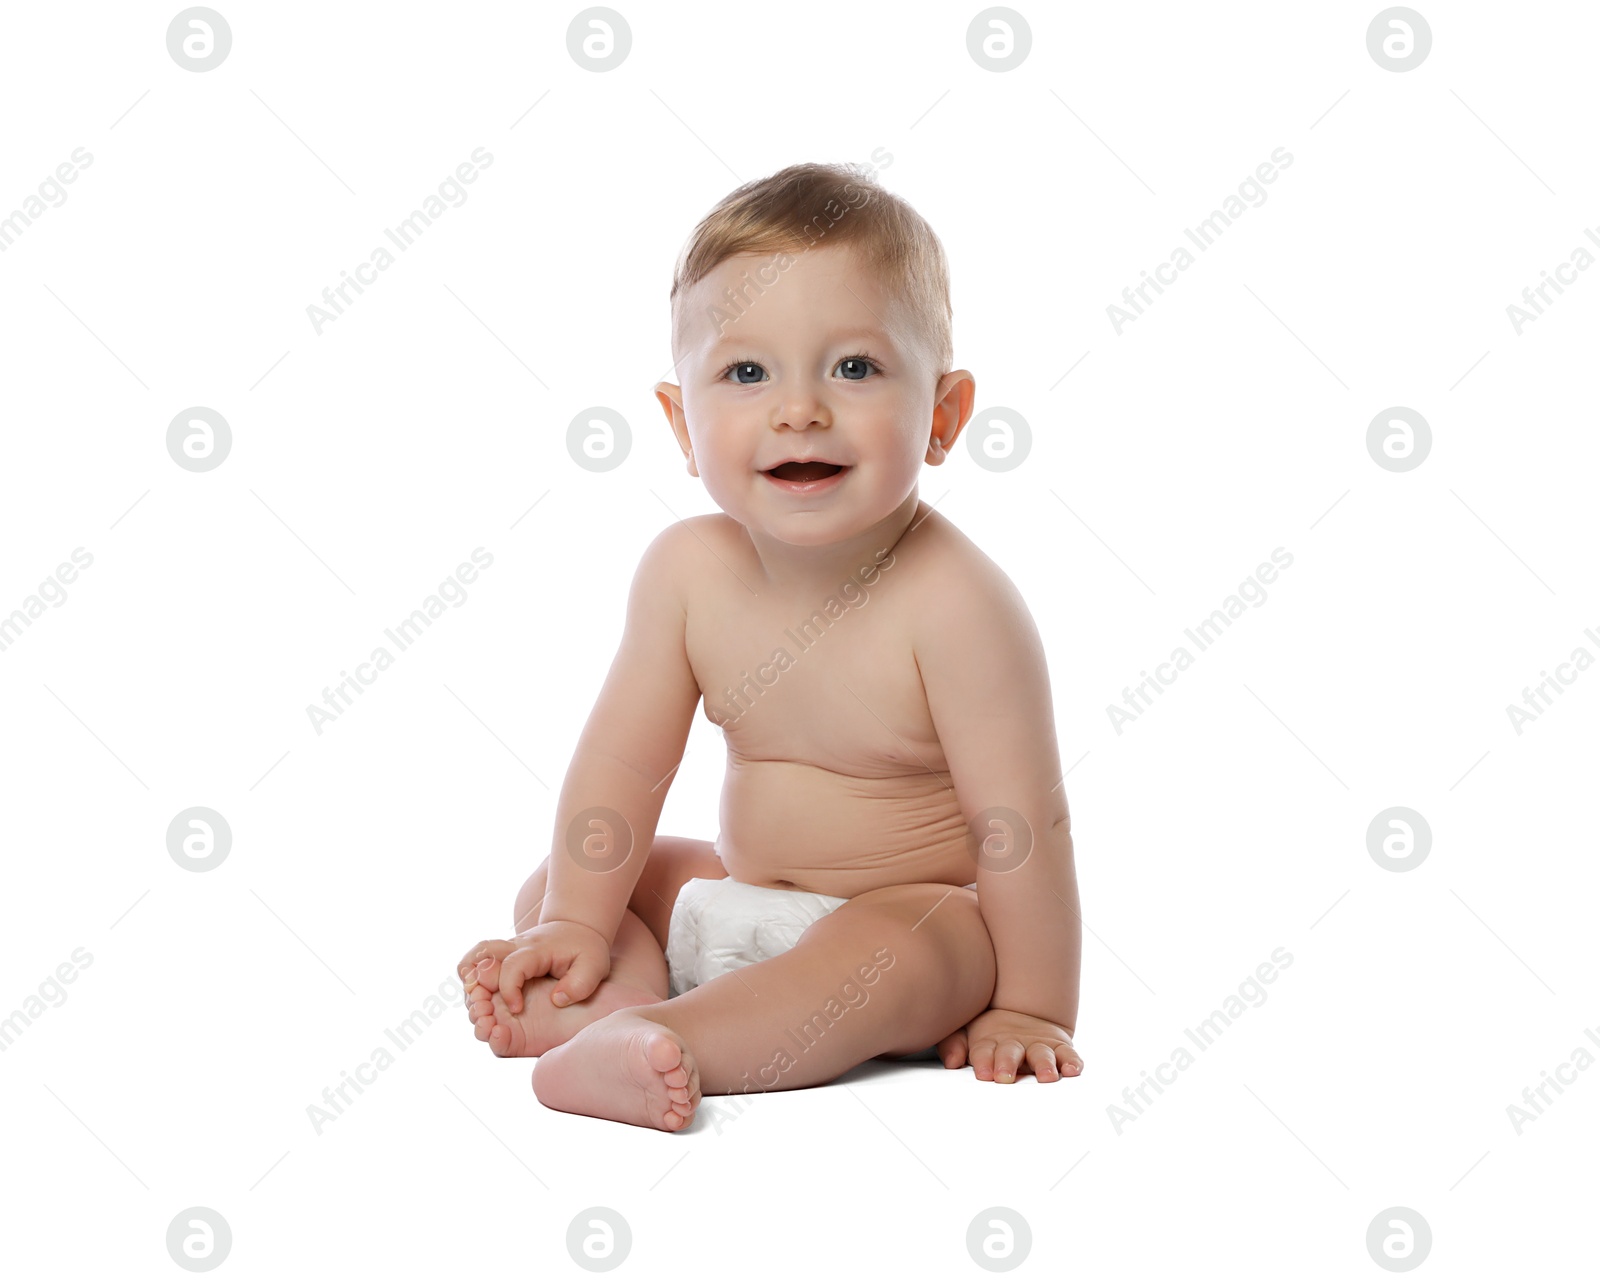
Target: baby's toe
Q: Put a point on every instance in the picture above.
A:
(1042, 1058)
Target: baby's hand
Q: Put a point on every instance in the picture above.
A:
(999, 1043)
(481, 961)
(573, 953)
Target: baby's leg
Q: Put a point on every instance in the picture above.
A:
(638, 977)
(638, 964)
(799, 1019)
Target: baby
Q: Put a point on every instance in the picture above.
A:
(897, 757)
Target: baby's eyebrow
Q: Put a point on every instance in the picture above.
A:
(728, 342)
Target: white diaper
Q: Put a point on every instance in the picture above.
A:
(721, 925)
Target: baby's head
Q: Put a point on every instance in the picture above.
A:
(811, 320)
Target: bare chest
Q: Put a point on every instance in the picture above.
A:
(829, 680)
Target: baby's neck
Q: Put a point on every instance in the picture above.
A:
(825, 567)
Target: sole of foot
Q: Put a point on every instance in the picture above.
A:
(625, 1068)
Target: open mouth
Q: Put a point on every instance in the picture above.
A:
(804, 472)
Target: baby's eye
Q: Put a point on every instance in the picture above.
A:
(740, 368)
(856, 368)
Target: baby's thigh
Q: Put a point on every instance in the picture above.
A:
(673, 861)
(932, 939)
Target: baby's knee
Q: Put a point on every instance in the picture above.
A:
(936, 928)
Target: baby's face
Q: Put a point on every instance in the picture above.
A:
(823, 365)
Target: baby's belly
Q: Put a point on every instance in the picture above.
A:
(789, 825)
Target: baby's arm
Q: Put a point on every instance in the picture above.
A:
(632, 742)
(988, 688)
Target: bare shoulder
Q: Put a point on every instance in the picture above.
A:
(685, 548)
(957, 587)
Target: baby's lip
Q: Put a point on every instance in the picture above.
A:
(805, 470)
(783, 462)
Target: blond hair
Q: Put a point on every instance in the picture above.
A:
(810, 206)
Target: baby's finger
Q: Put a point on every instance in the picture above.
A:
(579, 980)
(1042, 1058)
(1007, 1059)
(516, 969)
(487, 975)
(1071, 1062)
(499, 948)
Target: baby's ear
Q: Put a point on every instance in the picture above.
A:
(671, 399)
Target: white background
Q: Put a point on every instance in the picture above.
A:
(369, 461)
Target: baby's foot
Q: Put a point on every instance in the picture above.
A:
(540, 1025)
(624, 1067)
